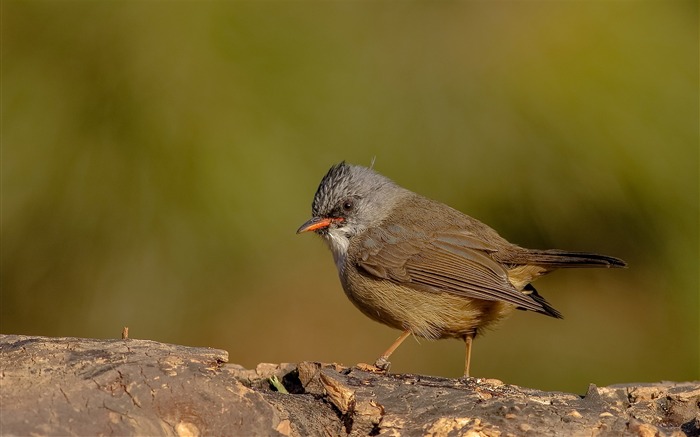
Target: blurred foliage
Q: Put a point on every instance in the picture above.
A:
(157, 158)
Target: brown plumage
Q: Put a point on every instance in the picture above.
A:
(422, 267)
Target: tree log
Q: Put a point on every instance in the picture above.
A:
(76, 386)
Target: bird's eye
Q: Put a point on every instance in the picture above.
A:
(348, 205)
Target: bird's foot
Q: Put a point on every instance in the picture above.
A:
(368, 368)
(379, 366)
(481, 381)
(382, 364)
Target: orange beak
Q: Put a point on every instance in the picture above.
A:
(316, 223)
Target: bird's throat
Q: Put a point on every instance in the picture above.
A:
(338, 242)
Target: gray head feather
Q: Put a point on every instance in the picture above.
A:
(372, 196)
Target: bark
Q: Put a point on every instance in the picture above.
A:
(74, 386)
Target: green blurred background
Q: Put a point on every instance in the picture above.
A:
(157, 158)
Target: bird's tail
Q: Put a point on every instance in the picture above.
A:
(562, 258)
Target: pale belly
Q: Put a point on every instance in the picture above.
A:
(426, 314)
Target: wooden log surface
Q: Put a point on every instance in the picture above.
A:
(78, 386)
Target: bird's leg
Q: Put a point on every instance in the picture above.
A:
(382, 362)
(467, 360)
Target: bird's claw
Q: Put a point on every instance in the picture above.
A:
(382, 364)
(377, 367)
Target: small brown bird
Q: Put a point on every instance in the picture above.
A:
(418, 265)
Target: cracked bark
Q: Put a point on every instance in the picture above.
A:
(72, 386)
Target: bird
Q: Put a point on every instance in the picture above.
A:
(424, 268)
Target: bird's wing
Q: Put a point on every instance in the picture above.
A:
(452, 262)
